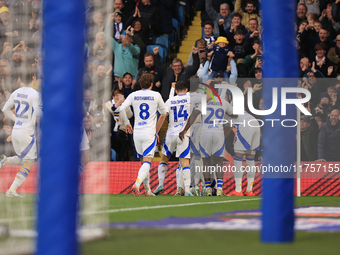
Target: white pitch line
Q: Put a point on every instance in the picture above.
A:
(166, 206)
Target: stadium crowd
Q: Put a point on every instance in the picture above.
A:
(231, 33)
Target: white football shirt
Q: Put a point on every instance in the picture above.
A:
(215, 113)
(27, 102)
(145, 104)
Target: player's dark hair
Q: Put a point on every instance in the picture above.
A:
(117, 92)
(127, 73)
(209, 22)
(251, 2)
(9, 122)
(320, 46)
(254, 19)
(146, 80)
(148, 54)
(236, 15)
(181, 86)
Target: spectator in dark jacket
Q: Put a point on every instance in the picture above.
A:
(151, 13)
(165, 7)
(329, 139)
(216, 4)
(309, 139)
(177, 72)
(152, 65)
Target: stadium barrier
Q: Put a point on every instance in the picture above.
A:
(317, 178)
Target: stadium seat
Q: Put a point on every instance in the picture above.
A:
(180, 14)
(163, 41)
(150, 48)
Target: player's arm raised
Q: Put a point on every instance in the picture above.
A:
(127, 103)
(7, 108)
(191, 120)
(162, 110)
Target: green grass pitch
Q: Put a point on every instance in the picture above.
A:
(164, 241)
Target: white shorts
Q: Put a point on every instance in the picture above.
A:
(85, 144)
(195, 138)
(145, 144)
(24, 144)
(172, 143)
(247, 139)
(211, 144)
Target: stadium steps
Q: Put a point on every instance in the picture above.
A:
(194, 33)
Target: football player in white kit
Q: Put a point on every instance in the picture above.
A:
(247, 141)
(212, 139)
(178, 108)
(194, 100)
(27, 102)
(145, 103)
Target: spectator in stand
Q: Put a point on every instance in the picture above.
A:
(6, 138)
(224, 15)
(319, 118)
(100, 43)
(152, 66)
(324, 107)
(5, 78)
(309, 138)
(323, 64)
(201, 46)
(216, 4)
(329, 139)
(102, 81)
(249, 14)
(253, 30)
(209, 34)
(328, 21)
(98, 22)
(301, 12)
(251, 59)
(117, 25)
(310, 42)
(127, 85)
(119, 137)
(235, 25)
(312, 6)
(149, 11)
(99, 138)
(6, 31)
(177, 72)
(311, 19)
(119, 6)
(140, 26)
(101, 59)
(129, 6)
(336, 10)
(165, 7)
(334, 54)
(219, 61)
(126, 54)
(88, 103)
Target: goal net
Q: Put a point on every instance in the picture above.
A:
(21, 64)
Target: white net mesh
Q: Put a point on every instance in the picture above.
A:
(21, 65)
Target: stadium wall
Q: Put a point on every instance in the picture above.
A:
(123, 174)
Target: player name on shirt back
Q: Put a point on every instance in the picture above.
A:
(144, 98)
(22, 95)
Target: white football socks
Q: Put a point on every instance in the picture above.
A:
(238, 174)
(146, 183)
(250, 174)
(162, 169)
(144, 170)
(186, 178)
